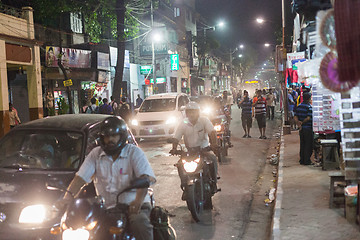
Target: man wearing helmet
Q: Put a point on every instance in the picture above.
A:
(112, 166)
(197, 130)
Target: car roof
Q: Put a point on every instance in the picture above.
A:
(164, 95)
(66, 121)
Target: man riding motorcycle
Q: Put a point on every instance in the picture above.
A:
(197, 131)
(112, 166)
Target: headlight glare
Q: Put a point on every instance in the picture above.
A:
(171, 120)
(78, 234)
(207, 110)
(36, 214)
(191, 166)
(134, 122)
(217, 127)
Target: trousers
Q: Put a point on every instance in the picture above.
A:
(306, 145)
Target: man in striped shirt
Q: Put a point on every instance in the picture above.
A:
(246, 114)
(303, 119)
(259, 109)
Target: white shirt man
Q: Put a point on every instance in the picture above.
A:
(111, 177)
(195, 135)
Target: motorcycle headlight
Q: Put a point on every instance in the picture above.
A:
(171, 120)
(78, 234)
(217, 127)
(191, 166)
(207, 110)
(134, 122)
(36, 214)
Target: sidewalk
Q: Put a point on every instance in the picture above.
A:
(302, 203)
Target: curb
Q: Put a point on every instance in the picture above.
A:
(279, 194)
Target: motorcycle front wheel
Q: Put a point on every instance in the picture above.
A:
(194, 200)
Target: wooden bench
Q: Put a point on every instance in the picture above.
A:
(336, 177)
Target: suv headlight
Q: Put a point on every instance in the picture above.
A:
(171, 120)
(78, 234)
(36, 214)
(134, 122)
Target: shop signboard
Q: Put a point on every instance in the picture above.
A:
(113, 57)
(103, 61)
(72, 58)
(174, 62)
(294, 56)
(68, 83)
(158, 80)
(146, 69)
(160, 49)
(103, 76)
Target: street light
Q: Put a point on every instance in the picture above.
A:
(240, 55)
(241, 46)
(267, 44)
(260, 20)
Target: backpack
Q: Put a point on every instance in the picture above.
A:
(159, 218)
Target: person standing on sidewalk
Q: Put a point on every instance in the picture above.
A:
(259, 109)
(303, 119)
(13, 116)
(270, 101)
(246, 114)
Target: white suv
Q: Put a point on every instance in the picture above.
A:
(159, 115)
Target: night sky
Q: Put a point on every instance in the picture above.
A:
(240, 18)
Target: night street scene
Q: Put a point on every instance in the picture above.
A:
(179, 119)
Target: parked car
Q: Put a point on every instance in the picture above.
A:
(33, 155)
(159, 115)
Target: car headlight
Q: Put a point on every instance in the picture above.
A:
(207, 110)
(36, 214)
(171, 120)
(191, 166)
(134, 122)
(217, 127)
(78, 234)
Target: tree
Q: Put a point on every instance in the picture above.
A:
(204, 44)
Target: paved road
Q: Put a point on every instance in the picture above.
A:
(239, 175)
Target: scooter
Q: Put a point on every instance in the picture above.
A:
(196, 174)
(87, 218)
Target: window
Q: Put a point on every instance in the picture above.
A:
(76, 22)
(176, 12)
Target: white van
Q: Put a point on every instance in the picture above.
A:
(159, 115)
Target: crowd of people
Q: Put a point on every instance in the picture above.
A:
(99, 105)
(260, 107)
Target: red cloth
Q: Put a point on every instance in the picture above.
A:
(291, 76)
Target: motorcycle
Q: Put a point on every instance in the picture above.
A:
(222, 128)
(197, 181)
(87, 218)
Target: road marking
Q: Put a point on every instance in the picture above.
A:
(276, 234)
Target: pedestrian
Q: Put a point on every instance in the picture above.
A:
(124, 110)
(138, 101)
(114, 106)
(270, 102)
(238, 98)
(246, 113)
(100, 102)
(84, 106)
(106, 108)
(259, 111)
(92, 109)
(303, 118)
(291, 107)
(13, 115)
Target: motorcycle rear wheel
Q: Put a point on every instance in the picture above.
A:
(193, 200)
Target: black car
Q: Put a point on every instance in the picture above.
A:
(41, 152)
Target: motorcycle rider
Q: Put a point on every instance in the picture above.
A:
(112, 166)
(197, 130)
(221, 110)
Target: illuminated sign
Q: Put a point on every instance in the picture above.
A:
(252, 82)
(174, 62)
(144, 70)
(158, 80)
(67, 83)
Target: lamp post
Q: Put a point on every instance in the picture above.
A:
(153, 47)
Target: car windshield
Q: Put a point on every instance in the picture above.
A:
(158, 105)
(48, 150)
